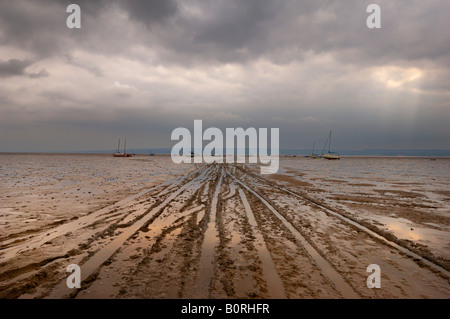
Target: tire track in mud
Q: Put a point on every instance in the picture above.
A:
(83, 222)
(164, 267)
(164, 278)
(154, 275)
(209, 227)
(143, 263)
(238, 271)
(92, 265)
(90, 235)
(327, 269)
(274, 283)
(92, 228)
(233, 258)
(414, 256)
(210, 242)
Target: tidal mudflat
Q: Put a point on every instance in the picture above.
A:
(144, 227)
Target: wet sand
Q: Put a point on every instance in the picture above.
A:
(144, 227)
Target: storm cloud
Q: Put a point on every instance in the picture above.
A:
(142, 68)
(13, 67)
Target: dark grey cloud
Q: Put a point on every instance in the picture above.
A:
(236, 24)
(150, 12)
(89, 7)
(33, 26)
(13, 67)
(146, 11)
(40, 26)
(234, 30)
(16, 67)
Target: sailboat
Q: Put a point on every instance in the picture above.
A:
(124, 154)
(330, 155)
(313, 155)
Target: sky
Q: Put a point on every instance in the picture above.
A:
(139, 69)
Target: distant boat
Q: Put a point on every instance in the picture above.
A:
(330, 155)
(313, 155)
(124, 154)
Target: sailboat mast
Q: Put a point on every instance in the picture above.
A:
(118, 147)
(329, 144)
(125, 146)
(325, 145)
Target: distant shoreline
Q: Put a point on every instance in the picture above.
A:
(281, 155)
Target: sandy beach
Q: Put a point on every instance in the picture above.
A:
(144, 227)
(147, 228)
